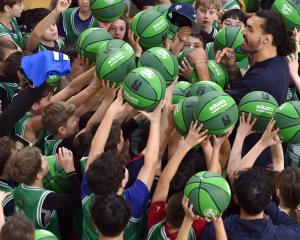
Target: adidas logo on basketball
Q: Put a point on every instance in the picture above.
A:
(217, 106)
(286, 9)
(115, 59)
(262, 108)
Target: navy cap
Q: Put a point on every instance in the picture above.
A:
(183, 9)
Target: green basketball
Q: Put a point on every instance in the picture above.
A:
(179, 92)
(289, 10)
(218, 73)
(185, 54)
(107, 10)
(90, 40)
(114, 64)
(231, 37)
(183, 114)
(217, 111)
(209, 193)
(144, 88)
(41, 234)
(287, 119)
(202, 87)
(151, 26)
(56, 179)
(162, 8)
(115, 43)
(161, 60)
(210, 52)
(261, 105)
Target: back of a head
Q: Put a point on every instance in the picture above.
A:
(35, 16)
(6, 45)
(288, 183)
(25, 164)
(174, 210)
(274, 25)
(56, 115)
(106, 173)
(252, 189)
(10, 3)
(17, 227)
(110, 215)
(6, 148)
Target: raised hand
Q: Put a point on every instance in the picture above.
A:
(109, 92)
(270, 136)
(62, 5)
(293, 66)
(226, 57)
(219, 140)
(186, 69)
(195, 135)
(135, 43)
(155, 115)
(188, 210)
(65, 159)
(245, 127)
(184, 33)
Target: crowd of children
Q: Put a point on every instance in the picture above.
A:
(119, 173)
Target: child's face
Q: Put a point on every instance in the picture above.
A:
(118, 29)
(193, 42)
(84, 5)
(17, 9)
(232, 22)
(71, 126)
(206, 17)
(51, 33)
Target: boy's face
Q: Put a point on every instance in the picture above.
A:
(232, 22)
(71, 126)
(84, 5)
(193, 42)
(51, 33)
(118, 29)
(206, 17)
(17, 9)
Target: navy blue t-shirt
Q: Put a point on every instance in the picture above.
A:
(271, 76)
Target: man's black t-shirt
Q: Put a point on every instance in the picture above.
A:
(271, 76)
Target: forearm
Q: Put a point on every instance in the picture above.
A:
(220, 229)
(177, 46)
(185, 228)
(278, 157)
(75, 86)
(296, 81)
(235, 76)
(214, 165)
(235, 155)
(202, 71)
(100, 138)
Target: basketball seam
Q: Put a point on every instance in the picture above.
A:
(94, 10)
(118, 67)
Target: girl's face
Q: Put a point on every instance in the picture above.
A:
(118, 29)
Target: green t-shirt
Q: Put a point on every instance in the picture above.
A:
(14, 34)
(157, 232)
(29, 200)
(10, 89)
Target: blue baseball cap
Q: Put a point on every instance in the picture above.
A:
(184, 9)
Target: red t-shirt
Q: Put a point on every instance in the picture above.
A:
(157, 214)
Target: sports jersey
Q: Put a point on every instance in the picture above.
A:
(159, 232)
(14, 34)
(8, 202)
(58, 44)
(137, 196)
(29, 200)
(51, 145)
(20, 132)
(231, 4)
(210, 51)
(10, 89)
(71, 26)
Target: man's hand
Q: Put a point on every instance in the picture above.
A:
(227, 58)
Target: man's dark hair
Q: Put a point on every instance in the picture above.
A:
(234, 14)
(275, 26)
(106, 173)
(6, 148)
(252, 189)
(174, 210)
(110, 215)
